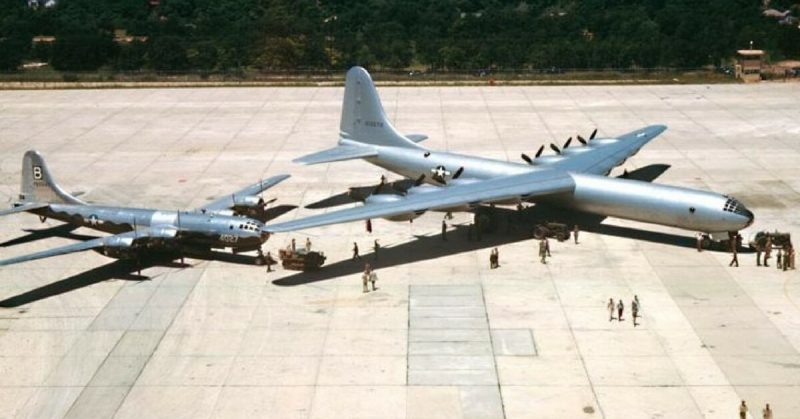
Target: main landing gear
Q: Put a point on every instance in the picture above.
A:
(260, 258)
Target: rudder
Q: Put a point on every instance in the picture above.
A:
(38, 185)
(363, 118)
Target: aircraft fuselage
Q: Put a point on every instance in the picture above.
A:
(209, 230)
(622, 198)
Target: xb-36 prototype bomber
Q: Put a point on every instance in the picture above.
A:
(574, 178)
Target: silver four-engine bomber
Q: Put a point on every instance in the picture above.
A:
(235, 221)
(574, 178)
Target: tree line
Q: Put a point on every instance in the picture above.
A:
(225, 35)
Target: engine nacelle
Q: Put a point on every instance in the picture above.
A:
(248, 201)
(385, 198)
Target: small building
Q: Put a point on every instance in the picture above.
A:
(749, 63)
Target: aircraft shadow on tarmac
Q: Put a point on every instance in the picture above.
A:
(122, 269)
(63, 230)
(513, 226)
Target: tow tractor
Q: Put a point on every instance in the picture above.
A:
(301, 260)
(559, 231)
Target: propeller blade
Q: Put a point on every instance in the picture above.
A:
(419, 180)
(270, 201)
(569, 140)
(555, 148)
(539, 153)
(526, 158)
(591, 137)
(582, 140)
(458, 172)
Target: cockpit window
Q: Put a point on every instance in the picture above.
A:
(734, 206)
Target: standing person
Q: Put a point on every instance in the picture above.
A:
(638, 303)
(759, 248)
(294, 248)
(743, 410)
(491, 259)
(699, 239)
(369, 225)
(308, 244)
(791, 257)
(610, 308)
(575, 232)
(365, 277)
(547, 247)
(496, 258)
(270, 261)
(779, 259)
(767, 412)
(375, 248)
(634, 311)
(355, 252)
(542, 251)
(383, 180)
(767, 250)
(373, 278)
(444, 230)
(620, 310)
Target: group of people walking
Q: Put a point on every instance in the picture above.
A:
(619, 309)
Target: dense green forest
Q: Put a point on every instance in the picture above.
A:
(225, 35)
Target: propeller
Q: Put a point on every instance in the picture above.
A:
(555, 148)
(591, 137)
(528, 159)
(458, 172)
(569, 140)
(582, 140)
(539, 153)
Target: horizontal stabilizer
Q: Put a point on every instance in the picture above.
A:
(338, 153)
(24, 207)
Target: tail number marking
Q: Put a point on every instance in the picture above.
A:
(37, 173)
(228, 238)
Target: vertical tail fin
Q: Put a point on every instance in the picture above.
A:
(363, 117)
(38, 185)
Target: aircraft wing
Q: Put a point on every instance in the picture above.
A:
(526, 185)
(227, 202)
(604, 154)
(124, 240)
(23, 208)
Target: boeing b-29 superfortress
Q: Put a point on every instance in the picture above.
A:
(574, 178)
(234, 221)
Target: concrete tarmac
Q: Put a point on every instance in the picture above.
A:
(443, 336)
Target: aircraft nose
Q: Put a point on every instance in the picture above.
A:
(750, 217)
